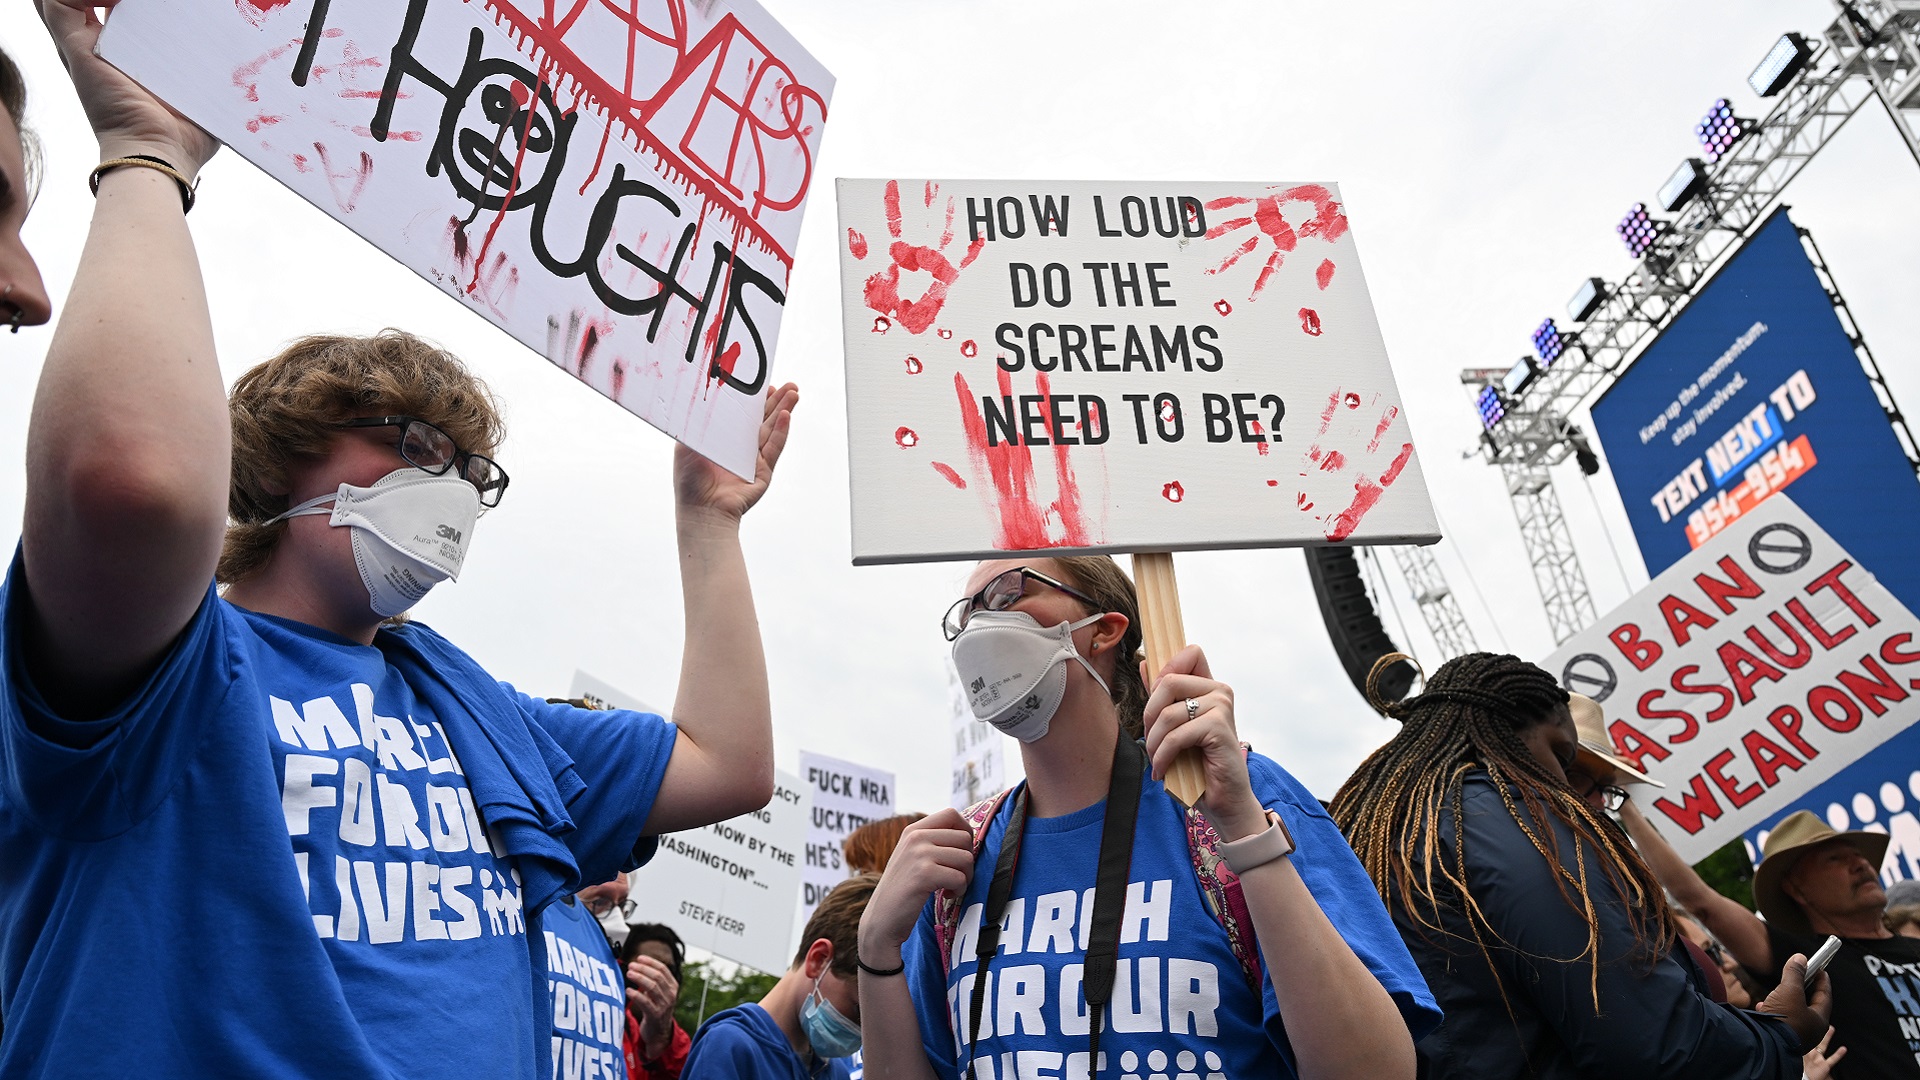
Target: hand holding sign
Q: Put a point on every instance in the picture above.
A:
(701, 485)
(126, 118)
(1190, 714)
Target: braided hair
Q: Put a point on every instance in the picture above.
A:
(1470, 716)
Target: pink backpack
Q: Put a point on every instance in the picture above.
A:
(1218, 884)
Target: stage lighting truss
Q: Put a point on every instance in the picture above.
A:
(1871, 50)
(1785, 60)
(1720, 129)
(1548, 343)
(1638, 230)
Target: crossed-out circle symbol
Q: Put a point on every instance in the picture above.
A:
(1784, 557)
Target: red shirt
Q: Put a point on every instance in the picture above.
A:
(665, 1067)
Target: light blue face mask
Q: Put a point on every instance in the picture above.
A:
(830, 1034)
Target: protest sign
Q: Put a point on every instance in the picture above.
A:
(982, 765)
(1089, 367)
(622, 194)
(845, 796)
(727, 888)
(730, 888)
(1753, 669)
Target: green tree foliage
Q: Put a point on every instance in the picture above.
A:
(1729, 873)
(725, 985)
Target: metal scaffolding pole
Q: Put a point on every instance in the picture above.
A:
(1435, 600)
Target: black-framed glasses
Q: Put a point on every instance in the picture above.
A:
(1002, 593)
(1611, 797)
(432, 451)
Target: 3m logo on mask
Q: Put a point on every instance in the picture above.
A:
(977, 685)
(448, 532)
(1032, 702)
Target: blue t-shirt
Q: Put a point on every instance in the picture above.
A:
(288, 854)
(589, 996)
(1181, 1003)
(744, 1043)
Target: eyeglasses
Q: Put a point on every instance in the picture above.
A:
(1002, 593)
(1611, 797)
(1714, 951)
(599, 906)
(433, 452)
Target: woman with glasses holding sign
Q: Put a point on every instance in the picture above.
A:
(346, 834)
(1542, 932)
(1085, 923)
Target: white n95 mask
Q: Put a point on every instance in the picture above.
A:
(410, 532)
(1015, 671)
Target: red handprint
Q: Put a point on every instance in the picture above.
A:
(1327, 223)
(1363, 469)
(883, 288)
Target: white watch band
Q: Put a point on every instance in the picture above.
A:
(1273, 842)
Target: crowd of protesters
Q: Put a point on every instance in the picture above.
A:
(363, 856)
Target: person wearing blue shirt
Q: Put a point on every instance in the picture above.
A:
(1080, 941)
(808, 1025)
(585, 984)
(338, 836)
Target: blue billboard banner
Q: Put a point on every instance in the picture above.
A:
(1754, 389)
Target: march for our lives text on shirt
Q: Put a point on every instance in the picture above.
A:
(385, 833)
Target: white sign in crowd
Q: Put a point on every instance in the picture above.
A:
(844, 797)
(622, 197)
(1749, 672)
(1115, 367)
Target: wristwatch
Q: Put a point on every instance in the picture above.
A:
(1273, 842)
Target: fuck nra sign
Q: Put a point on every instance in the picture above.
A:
(1086, 367)
(1749, 672)
(618, 186)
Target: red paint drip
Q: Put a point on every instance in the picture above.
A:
(724, 362)
(952, 477)
(1258, 430)
(1223, 307)
(914, 366)
(882, 324)
(1324, 275)
(1273, 483)
(256, 11)
(1366, 494)
(1399, 462)
(1072, 523)
(619, 378)
(856, 244)
(944, 334)
(1022, 525)
(1386, 420)
(969, 350)
(1173, 492)
(1352, 400)
(1301, 500)
(1310, 322)
(1335, 459)
(906, 438)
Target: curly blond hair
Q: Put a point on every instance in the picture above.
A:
(289, 408)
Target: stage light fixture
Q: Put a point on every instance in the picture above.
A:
(1720, 129)
(1687, 182)
(1492, 409)
(1519, 377)
(1637, 230)
(1547, 343)
(1586, 300)
(1785, 60)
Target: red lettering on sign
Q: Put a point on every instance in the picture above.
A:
(1818, 700)
(1802, 652)
(1687, 671)
(1639, 651)
(1739, 585)
(1682, 618)
(1651, 698)
(1831, 580)
(1745, 669)
(1826, 640)
(1787, 721)
(1696, 808)
(1633, 744)
(1730, 786)
(1872, 691)
(1768, 757)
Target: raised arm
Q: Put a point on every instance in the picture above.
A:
(1740, 930)
(1339, 1019)
(722, 763)
(128, 445)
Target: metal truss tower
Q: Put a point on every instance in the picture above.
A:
(1435, 600)
(1870, 51)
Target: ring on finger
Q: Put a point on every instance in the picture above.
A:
(1193, 709)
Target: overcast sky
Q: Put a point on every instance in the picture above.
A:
(1484, 150)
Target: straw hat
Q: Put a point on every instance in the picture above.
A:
(1788, 841)
(1591, 723)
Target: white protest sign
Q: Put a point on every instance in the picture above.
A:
(603, 695)
(845, 796)
(982, 764)
(730, 888)
(620, 192)
(1751, 670)
(1115, 367)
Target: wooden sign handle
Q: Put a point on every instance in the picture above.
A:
(1165, 635)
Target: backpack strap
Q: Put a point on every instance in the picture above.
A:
(1221, 887)
(946, 923)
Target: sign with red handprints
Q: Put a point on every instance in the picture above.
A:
(616, 183)
(1081, 367)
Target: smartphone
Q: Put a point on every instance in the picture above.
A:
(1818, 962)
